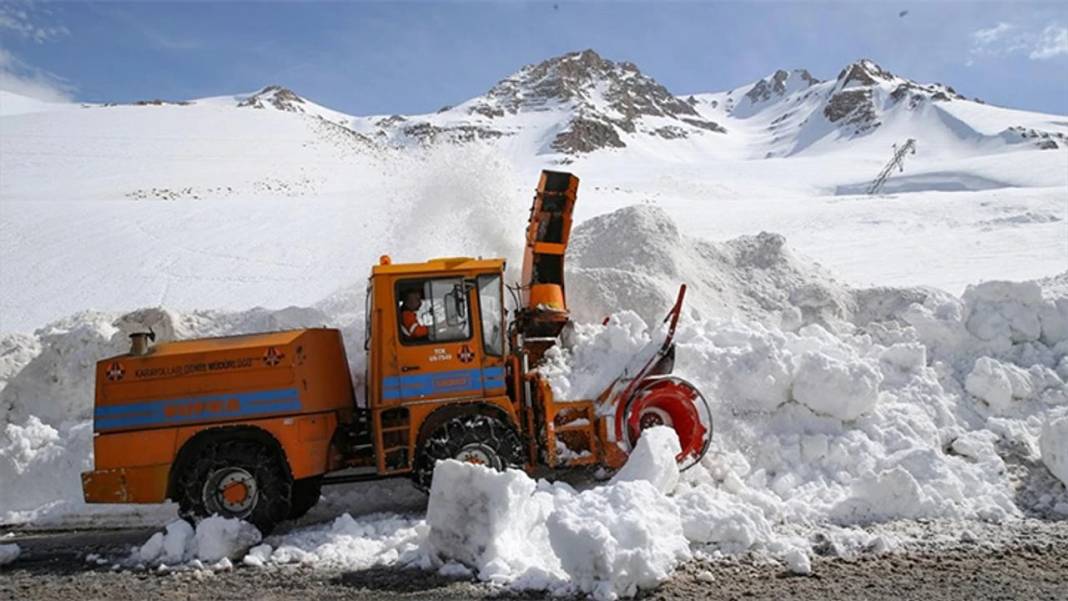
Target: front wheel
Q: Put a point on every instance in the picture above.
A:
(236, 479)
(478, 439)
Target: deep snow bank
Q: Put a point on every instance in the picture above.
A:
(635, 258)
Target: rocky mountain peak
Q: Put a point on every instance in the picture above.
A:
(587, 81)
(863, 72)
(780, 83)
(605, 99)
(275, 96)
(854, 100)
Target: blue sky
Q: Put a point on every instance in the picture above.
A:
(406, 57)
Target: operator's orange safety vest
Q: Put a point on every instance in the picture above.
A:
(410, 325)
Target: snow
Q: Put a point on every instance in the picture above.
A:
(9, 553)
(215, 539)
(608, 541)
(653, 460)
(1054, 445)
(617, 539)
(493, 522)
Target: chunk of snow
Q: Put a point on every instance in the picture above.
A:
(798, 561)
(257, 556)
(653, 460)
(454, 569)
(615, 539)
(998, 384)
(219, 538)
(214, 539)
(492, 521)
(9, 553)
(1054, 445)
(841, 389)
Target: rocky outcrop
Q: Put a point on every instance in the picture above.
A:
(278, 97)
(586, 135)
(780, 83)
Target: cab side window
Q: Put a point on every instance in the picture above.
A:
(433, 310)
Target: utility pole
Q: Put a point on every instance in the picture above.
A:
(898, 161)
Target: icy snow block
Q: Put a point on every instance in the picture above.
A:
(1054, 445)
(653, 460)
(619, 538)
(1005, 311)
(489, 520)
(997, 383)
(224, 538)
(171, 547)
(842, 389)
(9, 553)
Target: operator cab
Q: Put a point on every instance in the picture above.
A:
(435, 337)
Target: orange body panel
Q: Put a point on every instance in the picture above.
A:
(293, 385)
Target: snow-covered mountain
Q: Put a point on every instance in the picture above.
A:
(581, 103)
(790, 112)
(270, 198)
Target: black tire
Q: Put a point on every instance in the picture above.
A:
(495, 442)
(261, 469)
(306, 493)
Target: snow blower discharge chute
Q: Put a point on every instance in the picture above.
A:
(253, 426)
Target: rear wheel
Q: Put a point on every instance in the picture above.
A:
(236, 479)
(478, 439)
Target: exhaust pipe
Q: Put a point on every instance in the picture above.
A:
(139, 342)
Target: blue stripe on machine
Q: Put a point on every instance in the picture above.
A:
(173, 411)
(461, 380)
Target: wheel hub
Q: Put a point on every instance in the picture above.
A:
(477, 454)
(230, 490)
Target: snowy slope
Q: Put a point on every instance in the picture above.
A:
(270, 199)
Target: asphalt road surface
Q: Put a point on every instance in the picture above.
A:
(1028, 560)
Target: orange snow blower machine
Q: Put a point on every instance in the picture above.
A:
(253, 426)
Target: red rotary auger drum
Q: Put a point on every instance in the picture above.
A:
(655, 397)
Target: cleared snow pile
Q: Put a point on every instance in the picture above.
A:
(351, 543)
(216, 541)
(635, 258)
(609, 541)
(9, 553)
(493, 522)
(594, 356)
(913, 411)
(1054, 446)
(614, 540)
(40, 467)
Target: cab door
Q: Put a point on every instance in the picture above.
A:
(439, 359)
(490, 291)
